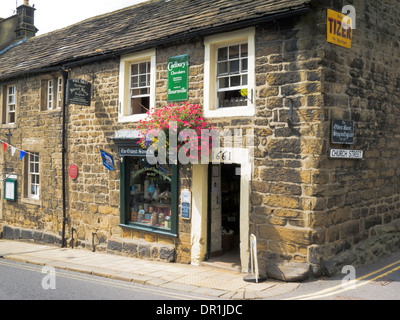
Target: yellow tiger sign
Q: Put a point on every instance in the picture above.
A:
(339, 28)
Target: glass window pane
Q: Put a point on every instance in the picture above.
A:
(234, 52)
(244, 80)
(224, 83)
(244, 50)
(149, 194)
(222, 68)
(135, 82)
(222, 54)
(142, 81)
(244, 65)
(135, 69)
(235, 81)
(234, 67)
(142, 68)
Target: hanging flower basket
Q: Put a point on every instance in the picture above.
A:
(184, 123)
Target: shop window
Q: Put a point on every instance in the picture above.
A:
(137, 86)
(149, 196)
(229, 74)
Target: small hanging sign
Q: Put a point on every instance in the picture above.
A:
(339, 29)
(108, 160)
(79, 92)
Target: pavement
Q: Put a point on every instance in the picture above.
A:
(202, 280)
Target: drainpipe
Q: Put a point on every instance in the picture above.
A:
(64, 151)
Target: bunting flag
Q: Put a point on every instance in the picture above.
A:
(13, 149)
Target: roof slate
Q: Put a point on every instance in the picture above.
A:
(135, 27)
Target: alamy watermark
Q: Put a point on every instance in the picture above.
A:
(210, 146)
(49, 281)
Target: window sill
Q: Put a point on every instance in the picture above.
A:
(34, 201)
(9, 125)
(230, 112)
(148, 229)
(132, 118)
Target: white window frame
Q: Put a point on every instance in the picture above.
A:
(59, 92)
(11, 106)
(50, 94)
(212, 43)
(124, 104)
(32, 174)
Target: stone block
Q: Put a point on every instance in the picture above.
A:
(288, 271)
(114, 245)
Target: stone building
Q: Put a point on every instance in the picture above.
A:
(309, 103)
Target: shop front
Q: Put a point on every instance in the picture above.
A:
(148, 191)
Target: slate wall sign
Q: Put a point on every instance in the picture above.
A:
(342, 131)
(178, 78)
(79, 92)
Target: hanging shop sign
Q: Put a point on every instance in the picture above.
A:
(346, 154)
(79, 92)
(108, 160)
(342, 132)
(178, 78)
(339, 29)
(73, 171)
(186, 197)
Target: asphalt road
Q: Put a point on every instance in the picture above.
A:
(378, 281)
(20, 281)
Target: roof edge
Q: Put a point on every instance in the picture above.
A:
(152, 44)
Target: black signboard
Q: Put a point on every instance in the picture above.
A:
(343, 132)
(79, 92)
(132, 152)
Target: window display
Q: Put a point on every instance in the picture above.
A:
(150, 194)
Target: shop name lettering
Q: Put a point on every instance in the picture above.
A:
(340, 28)
(221, 310)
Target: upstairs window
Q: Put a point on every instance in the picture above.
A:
(232, 75)
(51, 93)
(137, 86)
(10, 104)
(140, 87)
(229, 74)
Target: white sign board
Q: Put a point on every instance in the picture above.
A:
(346, 154)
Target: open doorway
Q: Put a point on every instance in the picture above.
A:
(224, 216)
